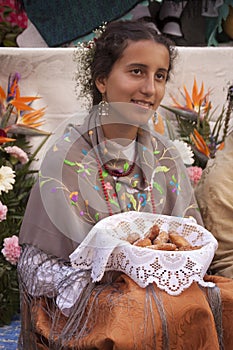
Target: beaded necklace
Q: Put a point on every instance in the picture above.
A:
(104, 187)
(118, 174)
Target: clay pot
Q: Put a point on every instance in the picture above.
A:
(228, 23)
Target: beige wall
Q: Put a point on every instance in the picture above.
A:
(49, 73)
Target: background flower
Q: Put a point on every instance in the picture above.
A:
(11, 249)
(185, 151)
(18, 153)
(194, 123)
(194, 173)
(18, 121)
(3, 211)
(6, 179)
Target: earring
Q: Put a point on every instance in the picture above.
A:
(155, 118)
(103, 109)
(158, 123)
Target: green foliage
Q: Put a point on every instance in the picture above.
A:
(16, 201)
(9, 293)
(8, 32)
(15, 131)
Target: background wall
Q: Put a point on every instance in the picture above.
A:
(49, 73)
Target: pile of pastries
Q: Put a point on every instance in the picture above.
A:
(161, 240)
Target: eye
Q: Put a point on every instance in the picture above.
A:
(136, 71)
(161, 76)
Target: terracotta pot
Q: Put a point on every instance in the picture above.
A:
(228, 23)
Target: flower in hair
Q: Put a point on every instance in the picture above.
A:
(83, 56)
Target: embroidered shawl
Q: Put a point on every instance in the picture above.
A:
(84, 179)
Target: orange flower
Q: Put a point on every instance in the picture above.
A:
(200, 143)
(27, 119)
(4, 138)
(197, 102)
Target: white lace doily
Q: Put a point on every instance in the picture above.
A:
(106, 248)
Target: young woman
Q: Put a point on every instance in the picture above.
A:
(112, 164)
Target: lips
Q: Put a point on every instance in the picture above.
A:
(144, 108)
(144, 104)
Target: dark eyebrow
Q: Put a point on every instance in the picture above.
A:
(163, 70)
(137, 64)
(141, 65)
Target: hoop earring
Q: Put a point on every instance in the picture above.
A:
(103, 109)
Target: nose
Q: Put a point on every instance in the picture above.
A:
(148, 86)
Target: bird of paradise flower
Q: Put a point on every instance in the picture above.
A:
(193, 121)
(17, 116)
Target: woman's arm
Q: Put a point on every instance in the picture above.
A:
(44, 275)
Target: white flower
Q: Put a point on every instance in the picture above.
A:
(185, 151)
(6, 179)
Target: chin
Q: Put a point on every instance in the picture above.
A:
(131, 113)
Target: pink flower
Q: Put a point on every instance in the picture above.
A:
(108, 186)
(11, 250)
(18, 153)
(194, 173)
(3, 211)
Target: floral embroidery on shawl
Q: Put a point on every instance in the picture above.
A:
(156, 180)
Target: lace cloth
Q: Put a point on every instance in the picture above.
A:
(107, 247)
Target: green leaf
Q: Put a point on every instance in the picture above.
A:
(26, 130)
(158, 187)
(118, 187)
(174, 178)
(68, 162)
(132, 200)
(9, 43)
(104, 173)
(162, 169)
(185, 113)
(126, 166)
(113, 202)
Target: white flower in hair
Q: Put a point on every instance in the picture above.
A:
(83, 56)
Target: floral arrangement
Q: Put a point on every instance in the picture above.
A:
(18, 120)
(9, 30)
(193, 124)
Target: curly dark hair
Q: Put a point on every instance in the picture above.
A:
(113, 41)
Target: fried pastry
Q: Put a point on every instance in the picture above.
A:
(153, 232)
(161, 238)
(190, 247)
(163, 246)
(143, 242)
(178, 240)
(133, 237)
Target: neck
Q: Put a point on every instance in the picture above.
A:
(123, 134)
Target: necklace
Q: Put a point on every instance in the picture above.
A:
(152, 200)
(117, 174)
(130, 149)
(104, 187)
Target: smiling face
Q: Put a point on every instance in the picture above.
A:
(138, 76)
